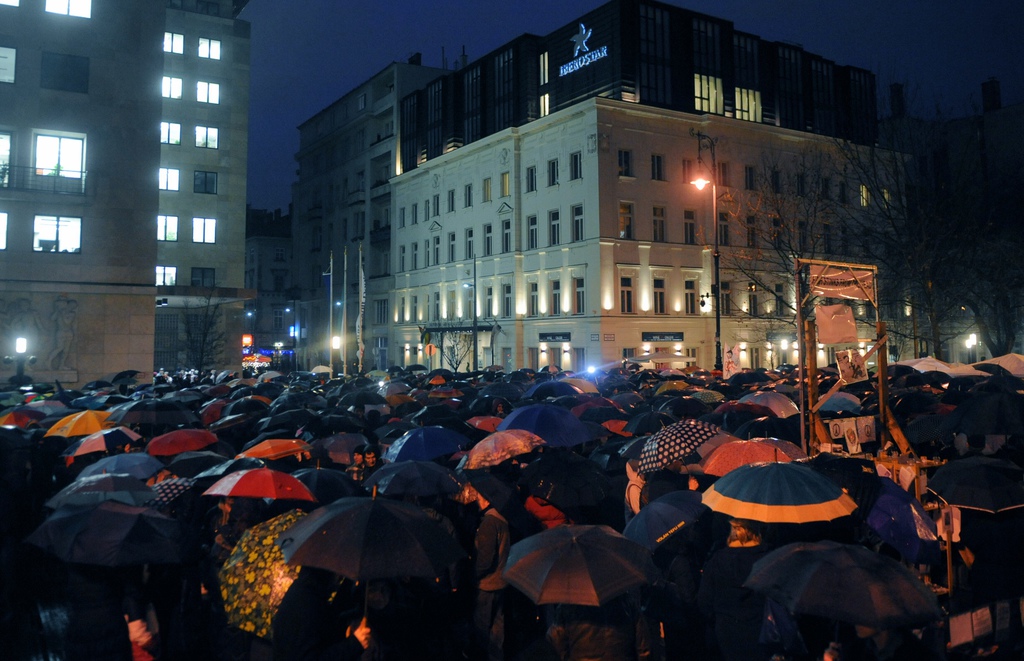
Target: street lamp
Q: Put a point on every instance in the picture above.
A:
(473, 287)
(705, 141)
(20, 359)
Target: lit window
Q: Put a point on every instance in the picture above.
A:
(625, 220)
(8, 59)
(166, 276)
(9, 3)
(545, 105)
(204, 230)
(207, 92)
(174, 43)
(57, 234)
(3, 230)
(168, 179)
(865, 196)
(170, 133)
(171, 88)
(166, 228)
(707, 93)
(209, 48)
(207, 136)
(80, 8)
(59, 156)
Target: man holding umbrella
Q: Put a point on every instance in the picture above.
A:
(491, 546)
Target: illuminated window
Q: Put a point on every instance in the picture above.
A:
(865, 196)
(166, 228)
(207, 92)
(748, 105)
(80, 8)
(170, 133)
(207, 137)
(545, 105)
(209, 48)
(168, 179)
(170, 88)
(61, 156)
(57, 234)
(625, 220)
(487, 189)
(3, 230)
(166, 276)
(174, 43)
(707, 93)
(9, 3)
(543, 68)
(204, 230)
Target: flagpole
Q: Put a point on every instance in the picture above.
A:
(361, 318)
(344, 312)
(330, 312)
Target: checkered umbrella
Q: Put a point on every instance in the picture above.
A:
(677, 441)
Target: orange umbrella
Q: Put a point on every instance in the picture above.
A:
(277, 448)
(395, 400)
(729, 456)
(180, 440)
(82, 423)
(260, 483)
(487, 423)
(21, 418)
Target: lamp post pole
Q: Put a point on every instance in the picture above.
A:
(476, 365)
(705, 141)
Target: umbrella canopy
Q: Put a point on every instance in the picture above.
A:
(649, 422)
(424, 443)
(678, 441)
(328, 485)
(371, 538)
(547, 389)
(192, 463)
(584, 385)
(487, 423)
(110, 534)
(778, 493)
(709, 397)
(844, 582)
(115, 439)
(136, 464)
(255, 577)
(414, 478)
(987, 413)
(578, 564)
(180, 440)
(901, 521)
(277, 448)
(338, 447)
(21, 417)
(978, 483)
(555, 424)
(260, 483)
(509, 391)
(663, 517)
(97, 488)
(566, 480)
(82, 423)
(500, 446)
(781, 404)
(734, 454)
(153, 412)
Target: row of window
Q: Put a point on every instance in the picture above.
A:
(206, 92)
(204, 230)
(79, 8)
(554, 305)
(49, 233)
(169, 179)
(207, 137)
(208, 49)
(53, 155)
(693, 302)
(167, 276)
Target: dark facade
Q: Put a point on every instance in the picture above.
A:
(642, 52)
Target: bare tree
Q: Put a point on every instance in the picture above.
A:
(203, 337)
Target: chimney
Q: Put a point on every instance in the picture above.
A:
(897, 101)
(416, 59)
(463, 59)
(991, 98)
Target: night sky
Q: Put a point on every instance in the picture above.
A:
(308, 53)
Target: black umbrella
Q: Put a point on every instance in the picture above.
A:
(844, 582)
(509, 391)
(663, 517)
(566, 480)
(371, 538)
(979, 483)
(786, 429)
(578, 564)
(327, 484)
(414, 478)
(109, 534)
(683, 407)
(156, 413)
(648, 423)
(94, 489)
(996, 413)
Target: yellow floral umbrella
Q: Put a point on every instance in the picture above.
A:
(255, 577)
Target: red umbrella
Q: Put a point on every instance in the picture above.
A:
(180, 440)
(260, 483)
(108, 440)
(488, 423)
(733, 454)
(211, 413)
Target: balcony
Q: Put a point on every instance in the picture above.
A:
(27, 178)
(380, 234)
(357, 196)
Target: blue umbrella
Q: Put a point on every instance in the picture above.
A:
(426, 443)
(900, 520)
(555, 424)
(137, 464)
(663, 517)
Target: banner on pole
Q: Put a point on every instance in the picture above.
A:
(835, 324)
(842, 281)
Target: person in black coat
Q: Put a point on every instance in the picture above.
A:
(735, 613)
(312, 622)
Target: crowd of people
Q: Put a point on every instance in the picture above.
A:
(698, 607)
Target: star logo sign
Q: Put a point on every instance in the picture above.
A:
(581, 40)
